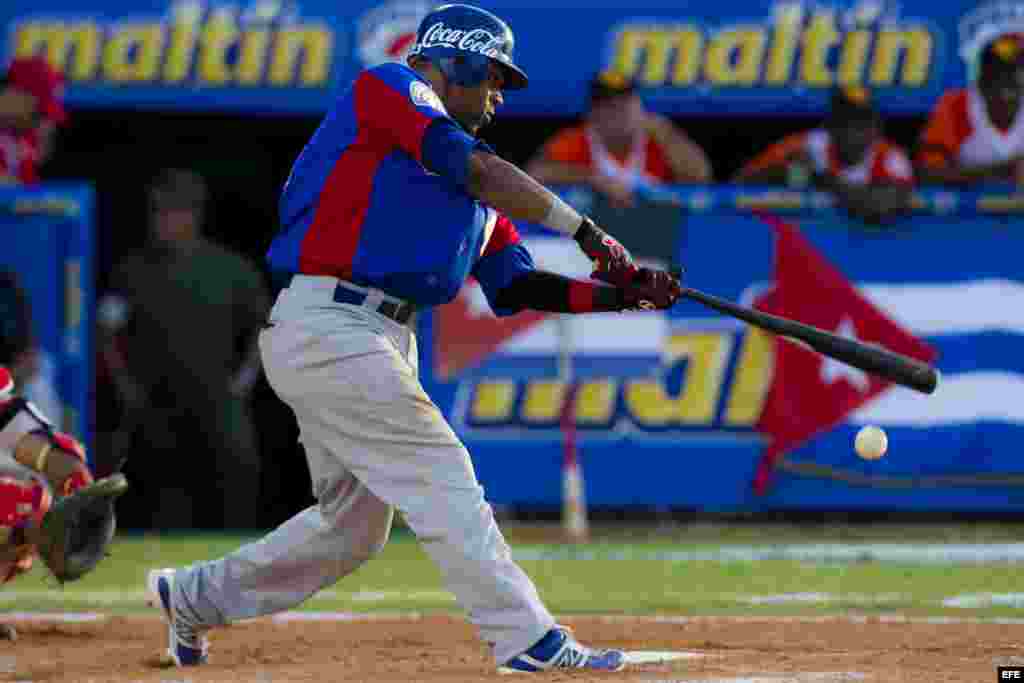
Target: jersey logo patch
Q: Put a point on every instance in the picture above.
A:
(423, 96)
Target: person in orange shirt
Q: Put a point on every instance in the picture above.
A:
(620, 147)
(871, 177)
(976, 134)
(30, 110)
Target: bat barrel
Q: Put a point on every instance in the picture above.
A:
(895, 367)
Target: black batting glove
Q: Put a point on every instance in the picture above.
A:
(649, 290)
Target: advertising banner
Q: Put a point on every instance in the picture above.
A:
(699, 57)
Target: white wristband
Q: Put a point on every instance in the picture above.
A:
(562, 217)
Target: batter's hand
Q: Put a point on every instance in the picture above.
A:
(609, 257)
(650, 290)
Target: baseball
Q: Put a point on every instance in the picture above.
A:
(871, 443)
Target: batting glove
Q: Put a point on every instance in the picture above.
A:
(649, 290)
(604, 251)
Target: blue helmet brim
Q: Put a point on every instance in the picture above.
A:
(515, 78)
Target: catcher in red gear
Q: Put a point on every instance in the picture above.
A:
(39, 469)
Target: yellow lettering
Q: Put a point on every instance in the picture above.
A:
(133, 53)
(914, 45)
(853, 57)
(179, 50)
(73, 48)
(734, 57)
(784, 43)
(493, 401)
(543, 401)
(657, 48)
(595, 402)
(254, 55)
(753, 374)
(217, 36)
(706, 354)
(820, 37)
(312, 42)
(648, 403)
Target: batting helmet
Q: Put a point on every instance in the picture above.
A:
(462, 40)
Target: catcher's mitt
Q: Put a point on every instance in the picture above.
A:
(75, 532)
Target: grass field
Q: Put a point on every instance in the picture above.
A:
(403, 579)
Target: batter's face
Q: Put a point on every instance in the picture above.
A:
(475, 107)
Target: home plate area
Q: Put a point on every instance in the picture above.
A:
(332, 647)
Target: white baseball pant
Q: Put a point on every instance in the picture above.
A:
(374, 441)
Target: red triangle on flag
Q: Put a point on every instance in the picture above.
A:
(465, 335)
(810, 393)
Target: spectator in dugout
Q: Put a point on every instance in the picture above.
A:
(177, 337)
(871, 177)
(31, 109)
(976, 134)
(620, 147)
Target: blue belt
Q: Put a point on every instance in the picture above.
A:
(399, 311)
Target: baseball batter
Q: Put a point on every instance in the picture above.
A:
(390, 207)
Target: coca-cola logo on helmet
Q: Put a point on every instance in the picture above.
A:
(476, 40)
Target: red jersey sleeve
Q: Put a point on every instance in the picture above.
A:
(504, 235)
(397, 106)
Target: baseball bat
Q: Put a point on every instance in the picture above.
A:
(896, 367)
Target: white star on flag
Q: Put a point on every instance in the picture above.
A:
(832, 370)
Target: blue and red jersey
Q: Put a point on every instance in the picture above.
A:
(378, 197)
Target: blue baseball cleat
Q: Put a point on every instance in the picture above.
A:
(186, 644)
(559, 650)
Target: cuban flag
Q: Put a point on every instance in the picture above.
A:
(943, 289)
(810, 393)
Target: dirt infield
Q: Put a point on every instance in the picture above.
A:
(441, 648)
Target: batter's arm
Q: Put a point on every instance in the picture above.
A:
(514, 193)
(540, 290)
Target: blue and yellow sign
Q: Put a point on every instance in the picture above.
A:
(798, 45)
(695, 57)
(192, 45)
(705, 381)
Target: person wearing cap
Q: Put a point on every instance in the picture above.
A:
(31, 109)
(869, 175)
(976, 134)
(175, 325)
(620, 147)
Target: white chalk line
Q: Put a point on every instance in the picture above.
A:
(658, 657)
